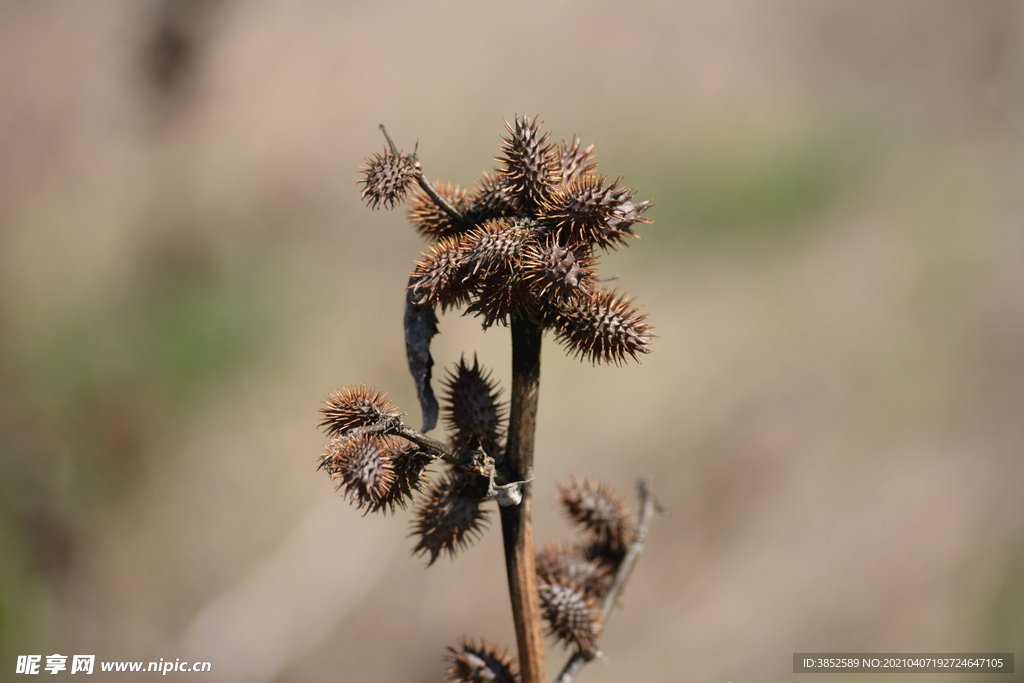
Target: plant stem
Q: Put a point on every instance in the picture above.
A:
(516, 521)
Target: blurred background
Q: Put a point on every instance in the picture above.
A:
(831, 416)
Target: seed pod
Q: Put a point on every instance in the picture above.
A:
(490, 200)
(604, 555)
(478, 661)
(494, 247)
(472, 410)
(602, 328)
(573, 616)
(355, 406)
(565, 565)
(530, 169)
(450, 517)
(599, 511)
(430, 220)
(363, 466)
(409, 464)
(625, 216)
(575, 163)
(554, 273)
(500, 296)
(588, 212)
(439, 278)
(387, 178)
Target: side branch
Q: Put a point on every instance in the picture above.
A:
(436, 448)
(443, 203)
(648, 505)
(507, 494)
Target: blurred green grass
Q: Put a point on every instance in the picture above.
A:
(748, 187)
(93, 381)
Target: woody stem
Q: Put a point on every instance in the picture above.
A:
(516, 520)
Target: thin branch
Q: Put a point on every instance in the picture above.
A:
(430, 445)
(436, 448)
(391, 143)
(508, 494)
(647, 508)
(443, 203)
(452, 212)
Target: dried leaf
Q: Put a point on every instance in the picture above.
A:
(420, 327)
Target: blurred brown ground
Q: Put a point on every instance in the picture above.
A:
(831, 417)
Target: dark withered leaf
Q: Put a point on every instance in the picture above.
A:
(420, 327)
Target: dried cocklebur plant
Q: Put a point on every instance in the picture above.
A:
(520, 249)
